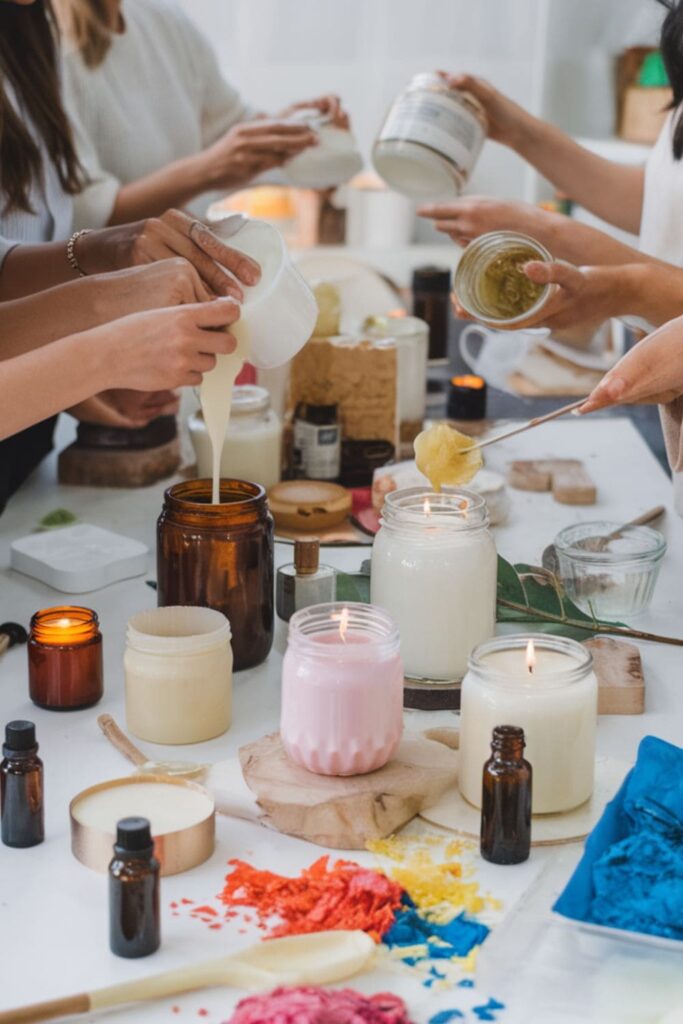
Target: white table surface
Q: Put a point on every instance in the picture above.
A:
(54, 911)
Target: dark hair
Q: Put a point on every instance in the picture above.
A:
(28, 64)
(671, 45)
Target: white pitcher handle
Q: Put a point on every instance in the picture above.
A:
(466, 335)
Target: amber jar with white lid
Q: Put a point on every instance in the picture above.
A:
(178, 669)
(430, 140)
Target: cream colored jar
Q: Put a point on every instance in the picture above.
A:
(178, 669)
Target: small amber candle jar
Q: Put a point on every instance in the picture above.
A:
(467, 397)
(65, 658)
(221, 557)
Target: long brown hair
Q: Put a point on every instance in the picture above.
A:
(86, 25)
(28, 64)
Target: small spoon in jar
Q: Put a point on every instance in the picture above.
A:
(550, 561)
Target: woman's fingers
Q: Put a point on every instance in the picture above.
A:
(559, 272)
(242, 266)
(612, 390)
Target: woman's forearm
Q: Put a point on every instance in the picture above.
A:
(39, 384)
(32, 268)
(610, 190)
(36, 320)
(653, 291)
(172, 186)
(581, 244)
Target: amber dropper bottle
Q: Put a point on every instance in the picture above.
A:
(506, 799)
(21, 787)
(134, 891)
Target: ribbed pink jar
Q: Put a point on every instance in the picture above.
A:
(342, 689)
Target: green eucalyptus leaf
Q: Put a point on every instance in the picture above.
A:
(353, 587)
(58, 517)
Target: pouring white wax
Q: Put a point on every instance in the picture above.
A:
(277, 318)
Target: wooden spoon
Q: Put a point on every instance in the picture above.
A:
(318, 959)
(118, 739)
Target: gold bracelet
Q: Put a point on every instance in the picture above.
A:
(71, 254)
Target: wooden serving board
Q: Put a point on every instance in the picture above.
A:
(619, 668)
(566, 478)
(344, 813)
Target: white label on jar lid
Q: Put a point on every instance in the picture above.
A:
(441, 123)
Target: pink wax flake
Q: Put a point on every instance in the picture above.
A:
(320, 1006)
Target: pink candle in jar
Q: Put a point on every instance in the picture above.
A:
(342, 689)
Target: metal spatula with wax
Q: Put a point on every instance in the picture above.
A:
(224, 779)
(447, 457)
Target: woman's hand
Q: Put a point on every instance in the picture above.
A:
(160, 350)
(171, 282)
(159, 238)
(126, 409)
(467, 218)
(508, 123)
(651, 373)
(330, 106)
(585, 296)
(253, 147)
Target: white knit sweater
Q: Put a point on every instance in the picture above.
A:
(157, 97)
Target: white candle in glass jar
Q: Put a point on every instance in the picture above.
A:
(411, 336)
(252, 448)
(547, 686)
(434, 570)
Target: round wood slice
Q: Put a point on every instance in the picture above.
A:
(308, 504)
(454, 813)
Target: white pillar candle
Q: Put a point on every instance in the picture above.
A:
(546, 685)
(434, 570)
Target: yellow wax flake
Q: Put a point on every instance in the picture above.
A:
(442, 454)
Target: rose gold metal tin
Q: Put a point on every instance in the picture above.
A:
(176, 851)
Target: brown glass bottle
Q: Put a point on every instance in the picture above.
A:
(21, 787)
(134, 891)
(506, 799)
(220, 556)
(431, 303)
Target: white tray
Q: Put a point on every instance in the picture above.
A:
(76, 559)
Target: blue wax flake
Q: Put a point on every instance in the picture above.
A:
(457, 938)
(437, 974)
(488, 1010)
(445, 1016)
(466, 983)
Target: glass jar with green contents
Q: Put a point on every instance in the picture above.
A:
(490, 283)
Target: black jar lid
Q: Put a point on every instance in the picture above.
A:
(319, 415)
(157, 432)
(20, 735)
(432, 279)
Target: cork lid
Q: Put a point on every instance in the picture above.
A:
(307, 556)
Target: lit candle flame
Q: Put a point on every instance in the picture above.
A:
(530, 656)
(343, 620)
(63, 623)
(427, 508)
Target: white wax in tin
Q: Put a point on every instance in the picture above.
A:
(168, 808)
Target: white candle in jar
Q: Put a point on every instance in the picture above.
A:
(547, 686)
(434, 570)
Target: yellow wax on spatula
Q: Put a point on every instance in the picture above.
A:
(446, 456)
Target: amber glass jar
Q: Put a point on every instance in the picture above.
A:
(65, 658)
(220, 556)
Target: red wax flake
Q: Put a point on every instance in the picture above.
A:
(324, 896)
(186, 901)
(206, 910)
(202, 1013)
(248, 918)
(173, 906)
(175, 1009)
(216, 927)
(242, 931)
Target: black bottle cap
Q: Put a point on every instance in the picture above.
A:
(19, 735)
(134, 837)
(432, 279)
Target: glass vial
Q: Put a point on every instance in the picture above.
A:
(304, 581)
(21, 787)
(134, 891)
(431, 303)
(506, 799)
(65, 670)
(317, 442)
